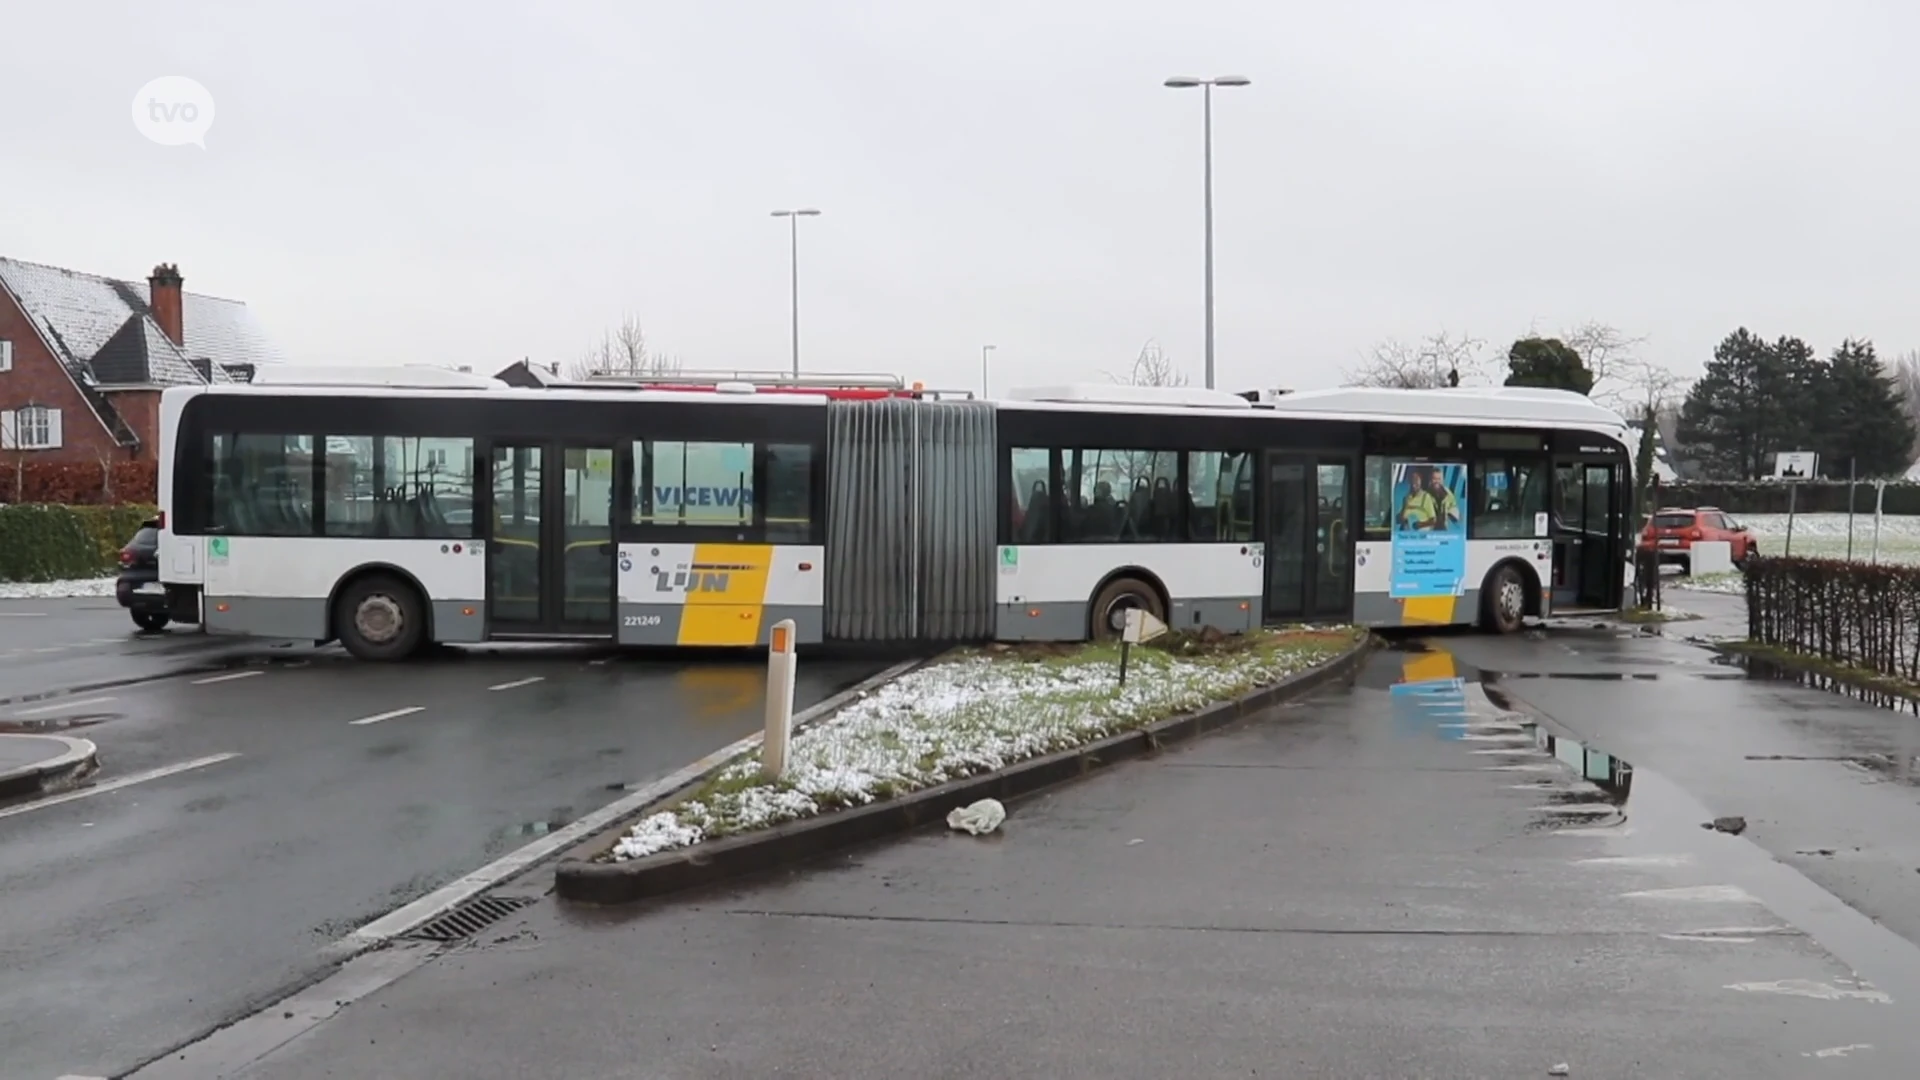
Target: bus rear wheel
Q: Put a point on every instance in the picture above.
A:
(380, 618)
(1503, 600)
(1110, 607)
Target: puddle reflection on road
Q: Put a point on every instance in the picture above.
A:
(1430, 699)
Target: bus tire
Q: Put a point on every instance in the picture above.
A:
(380, 617)
(1108, 618)
(151, 621)
(1503, 599)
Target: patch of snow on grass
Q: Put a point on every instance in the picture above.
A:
(1733, 582)
(1824, 536)
(56, 590)
(970, 715)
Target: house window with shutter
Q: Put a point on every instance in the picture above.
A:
(37, 427)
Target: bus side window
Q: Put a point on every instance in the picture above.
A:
(789, 493)
(1378, 508)
(1028, 472)
(1219, 496)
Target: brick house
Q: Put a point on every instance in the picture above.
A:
(83, 358)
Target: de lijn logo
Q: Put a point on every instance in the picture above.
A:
(173, 110)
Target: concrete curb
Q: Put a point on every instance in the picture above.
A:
(77, 761)
(583, 881)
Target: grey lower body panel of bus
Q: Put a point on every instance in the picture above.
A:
(1067, 620)
(305, 618)
(1380, 609)
(659, 624)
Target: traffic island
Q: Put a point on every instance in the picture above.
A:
(40, 764)
(993, 722)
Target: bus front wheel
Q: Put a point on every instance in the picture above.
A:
(1503, 600)
(1110, 607)
(380, 618)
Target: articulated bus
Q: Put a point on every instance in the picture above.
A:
(392, 510)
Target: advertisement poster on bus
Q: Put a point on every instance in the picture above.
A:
(1429, 529)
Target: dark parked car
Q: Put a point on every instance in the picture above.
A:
(139, 589)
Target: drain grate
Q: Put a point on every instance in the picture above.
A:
(468, 919)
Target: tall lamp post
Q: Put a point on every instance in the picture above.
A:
(793, 221)
(984, 350)
(1206, 85)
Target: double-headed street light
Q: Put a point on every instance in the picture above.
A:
(1179, 82)
(793, 219)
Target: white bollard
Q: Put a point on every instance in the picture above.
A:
(782, 666)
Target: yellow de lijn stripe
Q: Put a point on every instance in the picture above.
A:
(1427, 611)
(726, 594)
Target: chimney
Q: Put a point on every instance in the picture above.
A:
(164, 298)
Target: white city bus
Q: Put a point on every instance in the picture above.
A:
(391, 509)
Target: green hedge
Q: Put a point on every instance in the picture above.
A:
(47, 542)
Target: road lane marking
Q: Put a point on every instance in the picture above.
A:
(109, 640)
(124, 781)
(402, 919)
(1815, 989)
(1705, 894)
(530, 680)
(1676, 859)
(60, 706)
(408, 711)
(23, 614)
(228, 677)
(52, 648)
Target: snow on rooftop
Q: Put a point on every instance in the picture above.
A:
(80, 312)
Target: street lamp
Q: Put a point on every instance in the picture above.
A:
(984, 350)
(793, 219)
(1206, 85)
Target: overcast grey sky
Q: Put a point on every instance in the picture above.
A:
(475, 182)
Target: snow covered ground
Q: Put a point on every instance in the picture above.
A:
(1825, 535)
(982, 711)
(50, 590)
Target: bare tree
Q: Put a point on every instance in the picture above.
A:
(1611, 354)
(1152, 368)
(1437, 360)
(623, 351)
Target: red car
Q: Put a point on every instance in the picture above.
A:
(1673, 532)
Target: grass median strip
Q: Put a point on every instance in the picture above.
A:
(980, 710)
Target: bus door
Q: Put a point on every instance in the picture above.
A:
(1589, 500)
(550, 550)
(1309, 537)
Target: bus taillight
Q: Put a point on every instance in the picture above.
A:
(160, 520)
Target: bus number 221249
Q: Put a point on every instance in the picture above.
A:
(642, 620)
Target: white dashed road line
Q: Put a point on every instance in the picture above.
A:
(530, 680)
(229, 677)
(62, 706)
(408, 711)
(115, 785)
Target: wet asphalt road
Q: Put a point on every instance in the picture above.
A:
(1827, 783)
(58, 645)
(1353, 887)
(137, 919)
